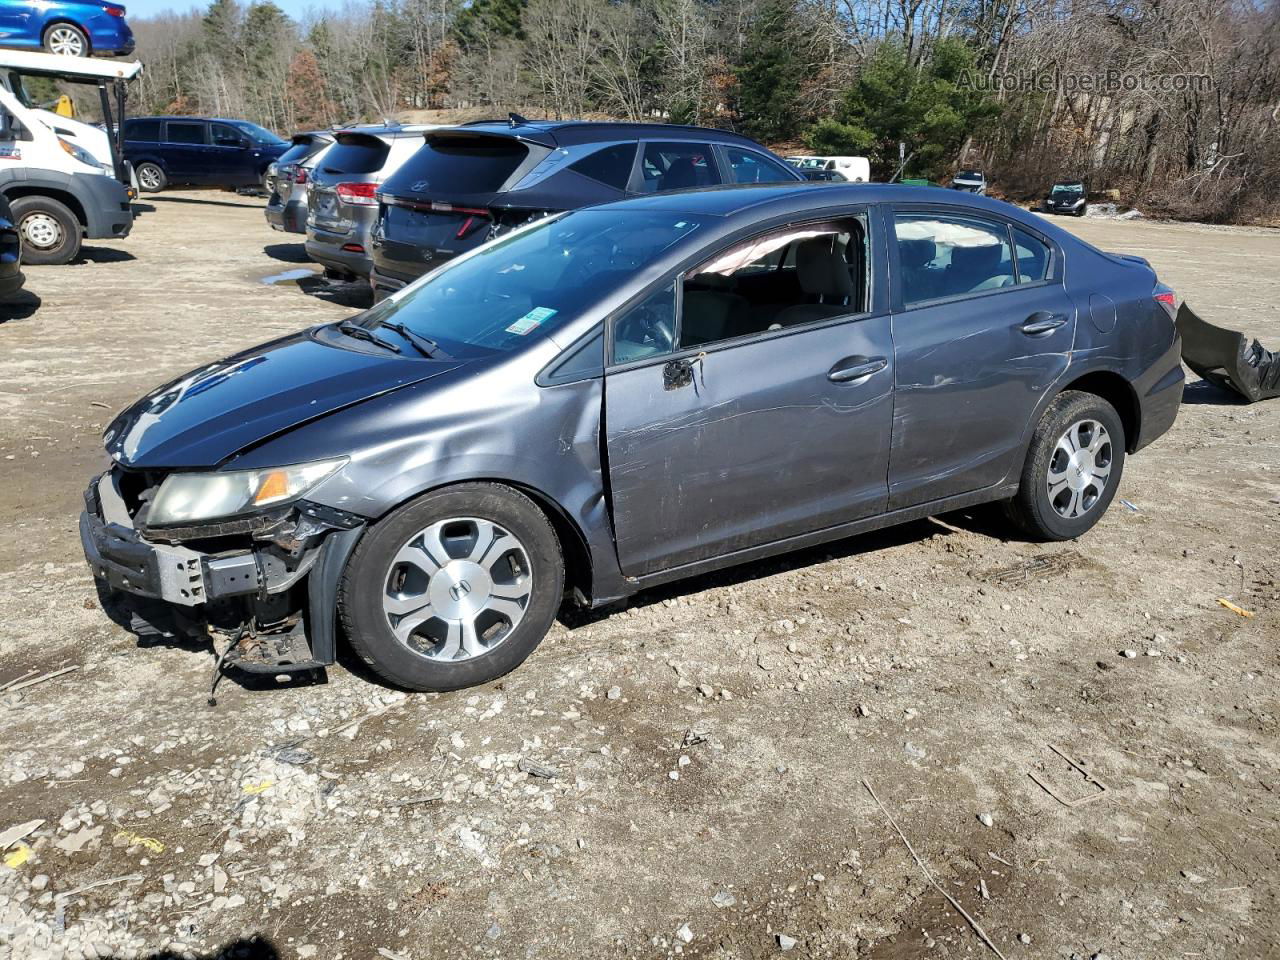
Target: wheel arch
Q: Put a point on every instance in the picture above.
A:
(574, 547)
(1118, 392)
(66, 198)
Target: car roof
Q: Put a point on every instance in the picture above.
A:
(587, 131)
(193, 119)
(757, 201)
(391, 131)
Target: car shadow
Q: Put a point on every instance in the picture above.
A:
(287, 252)
(246, 948)
(104, 255)
(199, 201)
(1202, 392)
(355, 294)
(22, 305)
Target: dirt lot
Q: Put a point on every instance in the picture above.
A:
(710, 744)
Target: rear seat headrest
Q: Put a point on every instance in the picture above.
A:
(915, 252)
(978, 259)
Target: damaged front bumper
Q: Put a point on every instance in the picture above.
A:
(269, 581)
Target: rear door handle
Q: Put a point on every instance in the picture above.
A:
(1042, 322)
(856, 369)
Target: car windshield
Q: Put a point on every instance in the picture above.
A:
(532, 282)
(1067, 188)
(969, 175)
(257, 133)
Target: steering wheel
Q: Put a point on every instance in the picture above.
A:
(648, 327)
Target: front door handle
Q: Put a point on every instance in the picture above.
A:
(1042, 322)
(856, 369)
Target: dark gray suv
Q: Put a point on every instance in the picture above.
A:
(341, 206)
(621, 396)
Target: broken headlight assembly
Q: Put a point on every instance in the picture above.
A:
(196, 497)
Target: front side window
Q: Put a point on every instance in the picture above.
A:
(801, 274)
(533, 281)
(225, 136)
(184, 132)
(949, 256)
(748, 166)
(258, 134)
(677, 166)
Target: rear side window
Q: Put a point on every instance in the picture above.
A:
(183, 132)
(747, 166)
(144, 131)
(950, 256)
(677, 166)
(450, 166)
(610, 166)
(356, 155)
(1033, 257)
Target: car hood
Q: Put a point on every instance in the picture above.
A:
(215, 411)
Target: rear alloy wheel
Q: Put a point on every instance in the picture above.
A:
(151, 178)
(50, 231)
(453, 589)
(67, 40)
(1073, 468)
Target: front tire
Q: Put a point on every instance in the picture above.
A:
(453, 589)
(1073, 468)
(67, 40)
(50, 231)
(151, 179)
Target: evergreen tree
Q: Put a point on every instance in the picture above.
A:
(771, 77)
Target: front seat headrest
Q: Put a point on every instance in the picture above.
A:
(680, 174)
(822, 270)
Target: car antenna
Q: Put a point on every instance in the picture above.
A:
(515, 120)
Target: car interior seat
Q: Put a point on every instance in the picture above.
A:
(680, 175)
(825, 279)
(977, 268)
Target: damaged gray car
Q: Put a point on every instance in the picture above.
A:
(623, 396)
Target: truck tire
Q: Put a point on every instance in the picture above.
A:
(66, 39)
(50, 231)
(151, 178)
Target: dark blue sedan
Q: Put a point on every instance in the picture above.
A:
(76, 28)
(622, 396)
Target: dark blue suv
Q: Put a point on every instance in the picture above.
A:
(472, 182)
(78, 28)
(200, 151)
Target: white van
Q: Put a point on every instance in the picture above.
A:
(853, 169)
(65, 180)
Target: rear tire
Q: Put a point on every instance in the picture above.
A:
(151, 179)
(1073, 468)
(50, 231)
(426, 597)
(67, 40)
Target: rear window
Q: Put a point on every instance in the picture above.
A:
(300, 151)
(450, 166)
(182, 132)
(146, 131)
(356, 155)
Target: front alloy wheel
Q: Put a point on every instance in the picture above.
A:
(454, 588)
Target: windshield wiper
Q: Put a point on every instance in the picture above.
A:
(357, 332)
(424, 345)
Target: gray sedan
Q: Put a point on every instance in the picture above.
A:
(623, 396)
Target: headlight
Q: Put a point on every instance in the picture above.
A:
(80, 153)
(184, 497)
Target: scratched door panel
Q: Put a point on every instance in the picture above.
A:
(760, 446)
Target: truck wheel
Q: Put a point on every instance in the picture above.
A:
(66, 39)
(50, 232)
(1073, 468)
(151, 178)
(453, 589)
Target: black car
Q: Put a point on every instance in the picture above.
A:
(1068, 196)
(11, 278)
(200, 151)
(471, 182)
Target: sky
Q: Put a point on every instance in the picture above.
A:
(295, 8)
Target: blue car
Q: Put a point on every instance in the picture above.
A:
(76, 28)
(200, 151)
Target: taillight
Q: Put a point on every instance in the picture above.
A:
(300, 175)
(1167, 299)
(361, 194)
(113, 11)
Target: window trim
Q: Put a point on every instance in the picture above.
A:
(865, 211)
(899, 305)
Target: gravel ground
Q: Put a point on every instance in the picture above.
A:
(685, 776)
